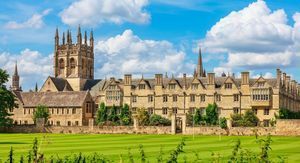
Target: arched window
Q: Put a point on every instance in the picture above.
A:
(73, 65)
(61, 66)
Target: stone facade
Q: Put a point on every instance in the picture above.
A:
(74, 72)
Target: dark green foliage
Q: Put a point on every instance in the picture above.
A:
(22, 159)
(41, 111)
(211, 117)
(125, 116)
(235, 151)
(7, 101)
(143, 117)
(160, 155)
(265, 146)
(35, 150)
(113, 117)
(101, 114)
(157, 120)
(11, 155)
(249, 119)
(175, 153)
(223, 123)
(197, 117)
(142, 153)
(130, 156)
(287, 114)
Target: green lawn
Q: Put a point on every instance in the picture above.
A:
(112, 146)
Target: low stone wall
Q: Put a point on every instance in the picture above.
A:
(90, 130)
(202, 130)
(288, 127)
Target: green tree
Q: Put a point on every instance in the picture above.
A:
(113, 114)
(41, 111)
(125, 116)
(223, 123)
(7, 101)
(142, 117)
(250, 119)
(157, 120)
(211, 114)
(101, 114)
(197, 117)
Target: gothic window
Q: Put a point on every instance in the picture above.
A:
(150, 98)
(218, 97)
(174, 110)
(174, 98)
(73, 65)
(236, 110)
(61, 66)
(202, 98)
(195, 86)
(165, 98)
(150, 110)
(192, 98)
(164, 111)
(228, 85)
(266, 111)
(172, 86)
(236, 97)
(142, 86)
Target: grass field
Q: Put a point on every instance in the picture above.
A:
(112, 146)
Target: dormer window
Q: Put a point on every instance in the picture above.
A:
(172, 86)
(112, 87)
(194, 86)
(261, 84)
(142, 86)
(228, 85)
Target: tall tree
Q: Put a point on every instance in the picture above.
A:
(212, 114)
(7, 101)
(101, 114)
(125, 115)
(41, 111)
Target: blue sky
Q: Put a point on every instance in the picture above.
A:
(155, 36)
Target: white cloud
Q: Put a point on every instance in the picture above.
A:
(267, 75)
(32, 66)
(127, 53)
(93, 12)
(36, 21)
(254, 37)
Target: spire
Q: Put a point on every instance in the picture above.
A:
(36, 89)
(15, 80)
(16, 69)
(195, 73)
(204, 73)
(166, 75)
(79, 36)
(223, 74)
(68, 36)
(56, 37)
(85, 38)
(92, 39)
(63, 39)
(200, 72)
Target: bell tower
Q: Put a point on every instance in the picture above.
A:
(16, 80)
(74, 61)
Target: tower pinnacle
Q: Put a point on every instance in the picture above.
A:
(15, 80)
(200, 70)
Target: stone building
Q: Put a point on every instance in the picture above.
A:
(74, 79)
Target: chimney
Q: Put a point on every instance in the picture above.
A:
(284, 79)
(245, 78)
(211, 78)
(278, 79)
(127, 79)
(288, 83)
(158, 79)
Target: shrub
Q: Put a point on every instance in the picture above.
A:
(143, 117)
(125, 116)
(101, 114)
(223, 123)
(41, 112)
(247, 120)
(113, 117)
(287, 114)
(197, 117)
(157, 120)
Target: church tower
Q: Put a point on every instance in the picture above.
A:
(16, 80)
(74, 61)
(200, 70)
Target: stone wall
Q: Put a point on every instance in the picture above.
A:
(90, 130)
(289, 127)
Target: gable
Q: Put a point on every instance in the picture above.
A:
(49, 86)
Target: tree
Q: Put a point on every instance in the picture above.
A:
(197, 117)
(113, 114)
(7, 101)
(211, 114)
(125, 116)
(250, 119)
(101, 114)
(143, 117)
(223, 123)
(157, 120)
(41, 112)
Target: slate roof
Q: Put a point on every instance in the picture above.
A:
(53, 99)
(219, 81)
(61, 84)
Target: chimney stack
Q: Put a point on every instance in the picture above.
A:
(245, 78)
(159, 79)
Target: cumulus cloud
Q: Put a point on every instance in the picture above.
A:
(32, 66)
(36, 21)
(255, 37)
(93, 12)
(127, 53)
